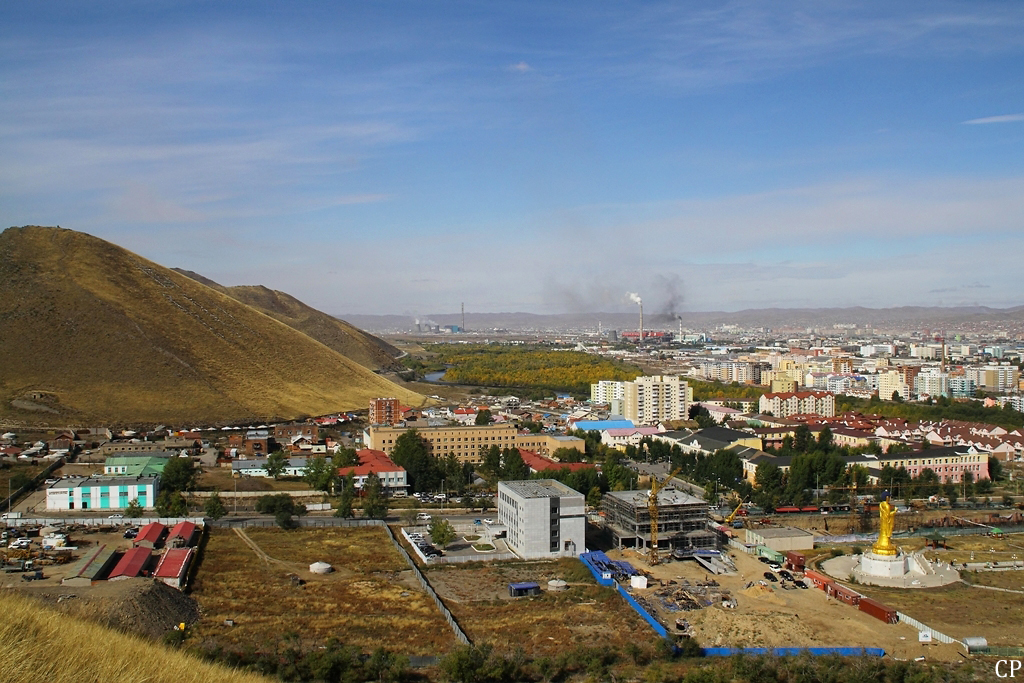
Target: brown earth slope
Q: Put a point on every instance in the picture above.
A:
(339, 335)
(92, 332)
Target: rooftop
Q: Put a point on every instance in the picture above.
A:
(666, 496)
(539, 488)
(781, 532)
(100, 480)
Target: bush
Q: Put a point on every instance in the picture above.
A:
(836, 552)
(857, 550)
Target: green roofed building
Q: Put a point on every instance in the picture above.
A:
(137, 464)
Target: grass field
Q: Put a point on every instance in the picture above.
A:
(586, 614)
(42, 645)
(370, 601)
(8, 472)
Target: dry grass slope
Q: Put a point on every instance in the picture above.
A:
(39, 644)
(346, 339)
(93, 332)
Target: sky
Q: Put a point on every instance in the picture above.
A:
(406, 157)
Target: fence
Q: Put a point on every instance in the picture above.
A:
(6, 503)
(103, 521)
(941, 637)
(314, 522)
(793, 651)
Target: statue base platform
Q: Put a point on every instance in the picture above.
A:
(884, 566)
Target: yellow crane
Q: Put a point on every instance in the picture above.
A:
(728, 520)
(652, 507)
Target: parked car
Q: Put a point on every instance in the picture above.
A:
(763, 560)
(775, 566)
(488, 520)
(422, 517)
(20, 544)
(771, 577)
(799, 583)
(131, 533)
(785, 574)
(116, 515)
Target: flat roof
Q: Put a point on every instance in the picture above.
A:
(781, 532)
(666, 496)
(539, 488)
(100, 480)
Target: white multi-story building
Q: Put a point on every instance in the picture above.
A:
(932, 384)
(961, 387)
(798, 403)
(102, 493)
(996, 377)
(649, 400)
(607, 391)
(544, 518)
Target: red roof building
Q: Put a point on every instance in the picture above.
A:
(149, 535)
(184, 534)
(173, 566)
(538, 463)
(131, 564)
(393, 476)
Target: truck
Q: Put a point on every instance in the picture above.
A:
(10, 515)
(22, 566)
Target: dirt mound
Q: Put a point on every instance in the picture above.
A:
(763, 593)
(152, 609)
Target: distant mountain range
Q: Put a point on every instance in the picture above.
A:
(935, 318)
(90, 332)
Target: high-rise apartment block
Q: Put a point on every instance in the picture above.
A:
(384, 411)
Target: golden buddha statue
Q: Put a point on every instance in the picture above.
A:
(886, 522)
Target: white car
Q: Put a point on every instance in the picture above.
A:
(20, 544)
(422, 517)
(116, 515)
(488, 520)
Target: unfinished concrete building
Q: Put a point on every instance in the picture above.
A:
(682, 520)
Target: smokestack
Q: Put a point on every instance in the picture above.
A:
(463, 316)
(641, 323)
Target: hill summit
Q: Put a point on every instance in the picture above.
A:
(90, 331)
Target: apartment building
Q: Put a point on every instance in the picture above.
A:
(784, 404)
(466, 441)
(994, 377)
(607, 391)
(649, 400)
(892, 382)
(384, 411)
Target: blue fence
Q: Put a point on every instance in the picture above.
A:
(658, 628)
(793, 651)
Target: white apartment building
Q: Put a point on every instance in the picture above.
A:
(649, 400)
(798, 403)
(996, 377)
(607, 391)
(932, 384)
(544, 518)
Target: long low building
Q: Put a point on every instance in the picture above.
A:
(93, 566)
(392, 477)
(131, 564)
(102, 493)
(173, 566)
(781, 539)
(467, 443)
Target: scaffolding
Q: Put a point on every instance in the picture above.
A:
(682, 520)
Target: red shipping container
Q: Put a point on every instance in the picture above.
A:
(819, 580)
(795, 560)
(844, 594)
(878, 610)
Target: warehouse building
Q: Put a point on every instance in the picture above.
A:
(183, 535)
(781, 539)
(93, 566)
(682, 520)
(149, 535)
(543, 518)
(102, 492)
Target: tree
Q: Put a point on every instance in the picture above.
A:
(512, 466)
(375, 505)
(321, 474)
(565, 454)
(491, 465)
(411, 452)
(441, 531)
(214, 508)
(345, 457)
(282, 506)
(171, 504)
(825, 439)
(276, 464)
(179, 475)
(483, 417)
(594, 497)
(802, 439)
(348, 496)
(995, 469)
(134, 509)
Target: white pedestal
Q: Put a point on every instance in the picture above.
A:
(884, 566)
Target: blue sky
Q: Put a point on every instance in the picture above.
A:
(403, 157)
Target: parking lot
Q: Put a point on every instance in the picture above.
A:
(475, 539)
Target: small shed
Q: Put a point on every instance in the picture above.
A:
(524, 588)
(843, 594)
(320, 568)
(173, 566)
(975, 644)
(183, 535)
(934, 540)
(131, 564)
(557, 585)
(149, 535)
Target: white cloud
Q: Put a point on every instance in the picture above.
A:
(521, 67)
(1005, 118)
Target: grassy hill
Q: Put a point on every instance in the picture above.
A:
(40, 644)
(344, 338)
(92, 332)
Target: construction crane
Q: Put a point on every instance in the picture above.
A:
(728, 520)
(652, 506)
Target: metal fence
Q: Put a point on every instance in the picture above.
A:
(103, 521)
(936, 635)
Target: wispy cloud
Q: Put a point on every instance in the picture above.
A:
(1004, 118)
(520, 67)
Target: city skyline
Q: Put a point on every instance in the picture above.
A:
(401, 158)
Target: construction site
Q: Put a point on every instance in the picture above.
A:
(681, 521)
